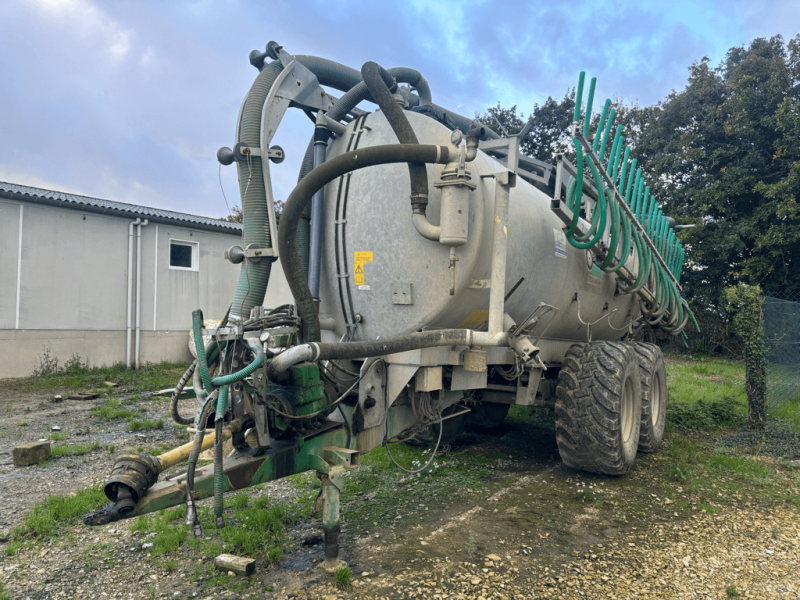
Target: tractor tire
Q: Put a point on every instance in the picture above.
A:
(654, 395)
(599, 408)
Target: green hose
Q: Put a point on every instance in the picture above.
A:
(224, 380)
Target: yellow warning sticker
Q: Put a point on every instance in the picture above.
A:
(360, 258)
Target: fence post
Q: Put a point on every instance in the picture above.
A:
(744, 305)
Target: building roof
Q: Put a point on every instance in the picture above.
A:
(119, 209)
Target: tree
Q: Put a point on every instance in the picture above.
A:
(724, 153)
(549, 133)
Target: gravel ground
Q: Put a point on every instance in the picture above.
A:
(746, 552)
(529, 538)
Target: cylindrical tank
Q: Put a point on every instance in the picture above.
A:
(384, 277)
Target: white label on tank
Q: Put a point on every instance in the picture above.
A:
(364, 287)
(561, 243)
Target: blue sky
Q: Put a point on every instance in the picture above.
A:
(130, 100)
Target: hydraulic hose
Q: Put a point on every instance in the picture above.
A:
(378, 82)
(173, 406)
(301, 196)
(218, 445)
(202, 365)
(254, 276)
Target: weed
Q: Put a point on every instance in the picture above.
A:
(76, 374)
(49, 516)
(730, 591)
(343, 578)
(775, 533)
(472, 546)
(48, 365)
(3, 595)
(140, 449)
(23, 424)
(57, 436)
(73, 449)
(137, 425)
(111, 449)
(169, 565)
(705, 414)
(151, 591)
(585, 494)
(13, 548)
(274, 554)
(110, 410)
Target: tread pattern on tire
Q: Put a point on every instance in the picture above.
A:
(588, 405)
(649, 355)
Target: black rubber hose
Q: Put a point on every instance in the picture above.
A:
(176, 394)
(378, 82)
(301, 197)
(344, 78)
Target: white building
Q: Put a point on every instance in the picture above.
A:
(65, 281)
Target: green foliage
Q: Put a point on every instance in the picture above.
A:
(48, 516)
(704, 414)
(343, 578)
(110, 410)
(139, 424)
(724, 153)
(73, 449)
(75, 374)
(744, 303)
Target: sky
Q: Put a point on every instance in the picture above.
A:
(130, 100)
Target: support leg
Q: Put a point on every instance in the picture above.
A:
(332, 484)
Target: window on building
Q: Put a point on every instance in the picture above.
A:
(183, 255)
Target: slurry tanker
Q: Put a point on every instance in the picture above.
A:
(438, 274)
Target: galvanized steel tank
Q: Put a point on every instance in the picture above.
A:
(379, 273)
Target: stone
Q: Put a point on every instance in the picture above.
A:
(31, 454)
(58, 398)
(235, 564)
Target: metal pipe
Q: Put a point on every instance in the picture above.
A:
(321, 136)
(130, 291)
(138, 286)
(497, 291)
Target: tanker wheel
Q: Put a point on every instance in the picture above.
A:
(599, 408)
(654, 395)
(452, 428)
(487, 415)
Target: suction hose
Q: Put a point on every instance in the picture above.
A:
(254, 275)
(301, 196)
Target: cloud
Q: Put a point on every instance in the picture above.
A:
(130, 100)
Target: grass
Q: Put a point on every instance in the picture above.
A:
(110, 410)
(137, 425)
(51, 515)
(342, 578)
(77, 375)
(256, 528)
(705, 393)
(73, 449)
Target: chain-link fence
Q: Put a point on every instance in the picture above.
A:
(782, 338)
